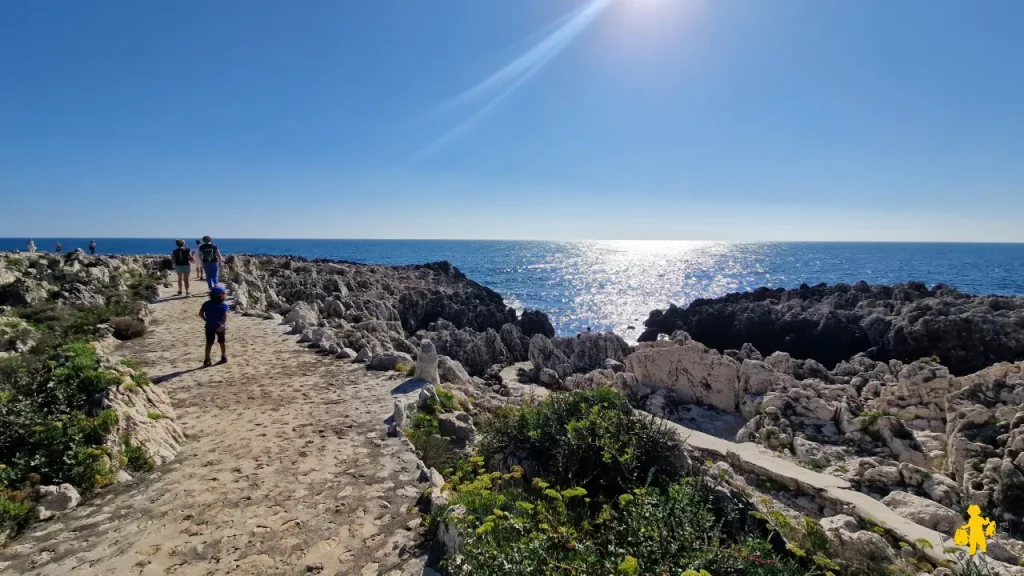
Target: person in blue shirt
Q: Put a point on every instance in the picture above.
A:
(210, 255)
(215, 313)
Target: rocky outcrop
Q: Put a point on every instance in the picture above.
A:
(144, 414)
(73, 279)
(535, 322)
(381, 308)
(390, 361)
(475, 351)
(449, 370)
(832, 323)
(924, 512)
(985, 439)
(54, 500)
(575, 355)
(16, 335)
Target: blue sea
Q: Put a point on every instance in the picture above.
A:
(615, 284)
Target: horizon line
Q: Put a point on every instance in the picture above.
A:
(327, 239)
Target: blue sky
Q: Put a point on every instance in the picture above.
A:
(614, 119)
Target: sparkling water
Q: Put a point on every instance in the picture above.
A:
(613, 285)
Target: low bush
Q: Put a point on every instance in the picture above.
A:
(68, 322)
(128, 328)
(434, 450)
(44, 425)
(14, 513)
(607, 493)
(515, 527)
(136, 458)
(592, 439)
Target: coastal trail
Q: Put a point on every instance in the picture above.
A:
(286, 469)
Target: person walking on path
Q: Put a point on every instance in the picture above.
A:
(182, 259)
(215, 312)
(57, 248)
(31, 247)
(210, 255)
(92, 248)
(199, 269)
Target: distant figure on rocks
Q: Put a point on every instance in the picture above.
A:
(215, 312)
(31, 247)
(182, 258)
(210, 255)
(57, 248)
(92, 248)
(199, 269)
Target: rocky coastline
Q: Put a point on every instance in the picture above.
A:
(922, 407)
(912, 397)
(831, 324)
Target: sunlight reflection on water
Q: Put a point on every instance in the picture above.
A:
(615, 284)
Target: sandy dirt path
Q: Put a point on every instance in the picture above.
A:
(286, 469)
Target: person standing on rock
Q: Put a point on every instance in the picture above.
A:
(31, 247)
(92, 248)
(215, 312)
(182, 259)
(210, 255)
(199, 269)
(57, 248)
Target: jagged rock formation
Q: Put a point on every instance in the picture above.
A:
(382, 308)
(144, 414)
(73, 279)
(887, 428)
(563, 357)
(832, 323)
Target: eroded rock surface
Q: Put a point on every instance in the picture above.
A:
(832, 323)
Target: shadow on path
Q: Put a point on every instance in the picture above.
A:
(410, 385)
(173, 375)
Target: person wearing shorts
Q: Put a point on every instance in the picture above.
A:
(215, 312)
(181, 257)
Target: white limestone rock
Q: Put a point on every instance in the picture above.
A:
(54, 500)
(427, 364)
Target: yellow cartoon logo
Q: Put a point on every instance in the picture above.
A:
(973, 533)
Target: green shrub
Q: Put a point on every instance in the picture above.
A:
(136, 457)
(514, 528)
(591, 439)
(141, 378)
(608, 497)
(154, 415)
(69, 322)
(446, 401)
(14, 513)
(44, 428)
(435, 451)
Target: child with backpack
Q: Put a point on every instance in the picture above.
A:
(210, 255)
(182, 260)
(215, 312)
